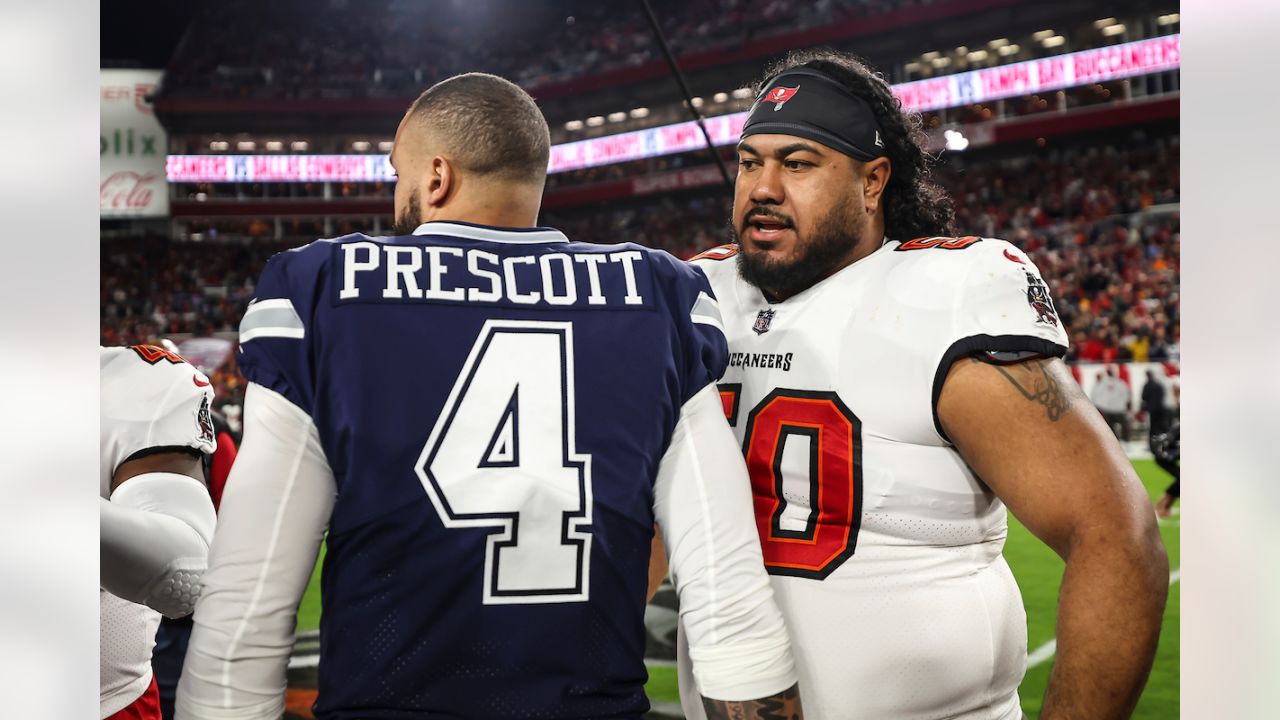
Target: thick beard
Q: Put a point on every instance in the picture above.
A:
(411, 218)
(833, 238)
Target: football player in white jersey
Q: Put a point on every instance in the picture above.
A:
(894, 389)
(156, 518)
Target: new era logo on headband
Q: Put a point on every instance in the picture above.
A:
(780, 95)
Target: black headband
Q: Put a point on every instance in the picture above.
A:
(810, 104)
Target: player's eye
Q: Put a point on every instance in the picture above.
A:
(795, 164)
(747, 163)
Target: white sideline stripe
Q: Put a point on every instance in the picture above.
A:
(1047, 650)
(304, 661)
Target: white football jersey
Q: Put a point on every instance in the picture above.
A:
(152, 401)
(883, 547)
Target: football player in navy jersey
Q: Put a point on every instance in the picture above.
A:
(489, 420)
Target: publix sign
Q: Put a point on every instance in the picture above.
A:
(131, 148)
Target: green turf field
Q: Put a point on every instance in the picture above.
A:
(1039, 572)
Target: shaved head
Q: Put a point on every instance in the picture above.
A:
(487, 125)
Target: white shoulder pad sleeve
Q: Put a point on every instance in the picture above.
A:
(1004, 296)
(152, 400)
(1001, 305)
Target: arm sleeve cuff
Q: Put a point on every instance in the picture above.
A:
(744, 671)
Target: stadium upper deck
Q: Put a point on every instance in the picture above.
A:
(593, 66)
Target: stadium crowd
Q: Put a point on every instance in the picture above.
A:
(403, 44)
(1099, 220)
(1102, 225)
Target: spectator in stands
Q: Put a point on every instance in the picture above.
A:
(1110, 395)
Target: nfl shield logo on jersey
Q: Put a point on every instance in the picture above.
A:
(763, 320)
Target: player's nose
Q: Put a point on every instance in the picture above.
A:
(766, 187)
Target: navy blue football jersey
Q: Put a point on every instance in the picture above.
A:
(494, 405)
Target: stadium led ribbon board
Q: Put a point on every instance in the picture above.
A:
(1131, 59)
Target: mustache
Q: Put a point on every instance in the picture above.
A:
(761, 211)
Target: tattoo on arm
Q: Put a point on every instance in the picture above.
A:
(1033, 380)
(783, 706)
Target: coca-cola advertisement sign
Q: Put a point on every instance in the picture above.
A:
(129, 191)
(132, 147)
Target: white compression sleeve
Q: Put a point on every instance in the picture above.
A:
(274, 511)
(155, 533)
(702, 500)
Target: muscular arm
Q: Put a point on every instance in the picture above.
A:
(1028, 431)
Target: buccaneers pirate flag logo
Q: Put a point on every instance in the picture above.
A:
(1039, 300)
(780, 95)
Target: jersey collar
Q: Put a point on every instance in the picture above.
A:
(489, 233)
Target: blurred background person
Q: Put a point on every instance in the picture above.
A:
(1110, 395)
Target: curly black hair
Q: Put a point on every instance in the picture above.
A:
(914, 205)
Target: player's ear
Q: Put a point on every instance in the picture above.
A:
(875, 176)
(439, 181)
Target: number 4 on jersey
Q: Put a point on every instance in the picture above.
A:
(502, 456)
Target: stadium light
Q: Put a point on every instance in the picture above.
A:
(573, 125)
(914, 67)
(246, 145)
(299, 145)
(720, 97)
(697, 102)
(384, 146)
(1169, 19)
(1053, 42)
(978, 56)
(595, 121)
(219, 145)
(1042, 34)
(955, 140)
(742, 93)
(617, 116)
(361, 146)
(1113, 30)
(998, 43)
(275, 145)
(930, 56)
(1104, 22)
(640, 112)
(941, 62)
(1008, 50)
(962, 50)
